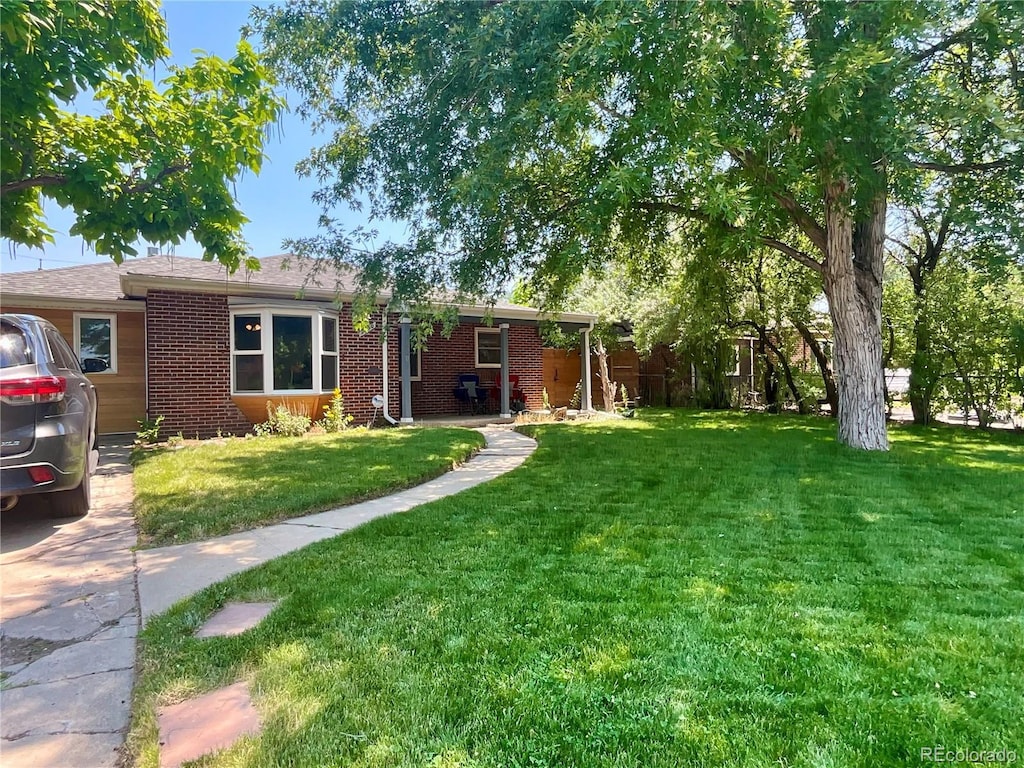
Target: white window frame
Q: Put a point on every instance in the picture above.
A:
(335, 353)
(476, 346)
(112, 318)
(266, 316)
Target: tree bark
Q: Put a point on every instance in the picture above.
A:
(852, 280)
(771, 377)
(607, 385)
(922, 379)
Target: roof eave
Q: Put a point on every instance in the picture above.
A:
(526, 313)
(138, 286)
(124, 304)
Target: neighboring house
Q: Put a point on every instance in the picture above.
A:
(207, 351)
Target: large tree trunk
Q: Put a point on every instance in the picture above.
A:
(852, 280)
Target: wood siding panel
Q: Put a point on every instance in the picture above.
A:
(561, 373)
(254, 407)
(121, 395)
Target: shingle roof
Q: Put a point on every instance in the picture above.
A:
(102, 281)
(88, 282)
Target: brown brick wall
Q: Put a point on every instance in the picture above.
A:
(190, 365)
(189, 359)
(360, 372)
(444, 359)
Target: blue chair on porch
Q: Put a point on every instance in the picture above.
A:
(469, 392)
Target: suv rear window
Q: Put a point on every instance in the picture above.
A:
(14, 348)
(63, 357)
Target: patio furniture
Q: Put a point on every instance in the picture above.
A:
(470, 393)
(517, 398)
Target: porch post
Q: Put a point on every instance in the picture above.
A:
(586, 401)
(506, 411)
(403, 368)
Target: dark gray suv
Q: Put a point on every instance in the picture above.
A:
(47, 418)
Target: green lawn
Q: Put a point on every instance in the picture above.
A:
(215, 488)
(681, 589)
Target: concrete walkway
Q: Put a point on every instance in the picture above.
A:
(168, 574)
(68, 619)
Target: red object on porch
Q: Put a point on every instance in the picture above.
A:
(516, 392)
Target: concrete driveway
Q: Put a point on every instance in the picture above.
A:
(68, 621)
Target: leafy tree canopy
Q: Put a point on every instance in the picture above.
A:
(153, 163)
(538, 138)
(517, 136)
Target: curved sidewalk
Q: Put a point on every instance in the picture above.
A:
(168, 574)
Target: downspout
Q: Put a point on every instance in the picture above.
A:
(145, 353)
(384, 367)
(587, 394)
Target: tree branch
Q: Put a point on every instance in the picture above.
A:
(145, 186)
(788, 203)
(609, 110)
(794, 253)
(35, 181)
(56, 180)
(942, 45)
(906, 247)
(963, 167)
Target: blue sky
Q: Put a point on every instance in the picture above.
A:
(277, 201)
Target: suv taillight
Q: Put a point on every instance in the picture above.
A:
(38, 389)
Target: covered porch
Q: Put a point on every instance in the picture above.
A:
(489, 368)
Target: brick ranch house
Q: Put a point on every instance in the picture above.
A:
(207, 350)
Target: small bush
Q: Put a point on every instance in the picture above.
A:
(577, 396)
(286, 420)
(335, 419)
(149, 430)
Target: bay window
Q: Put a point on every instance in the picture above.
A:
(283, 350)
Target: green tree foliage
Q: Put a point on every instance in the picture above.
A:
(973, 219)
(541, 137)
(974, 359)
(152, 163)
(700, 303)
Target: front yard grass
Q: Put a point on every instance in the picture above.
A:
(218, 487)
(680, 589)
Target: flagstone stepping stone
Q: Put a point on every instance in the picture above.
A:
(234, 619)
(205, 724)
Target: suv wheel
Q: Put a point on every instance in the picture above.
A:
(73, 503)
